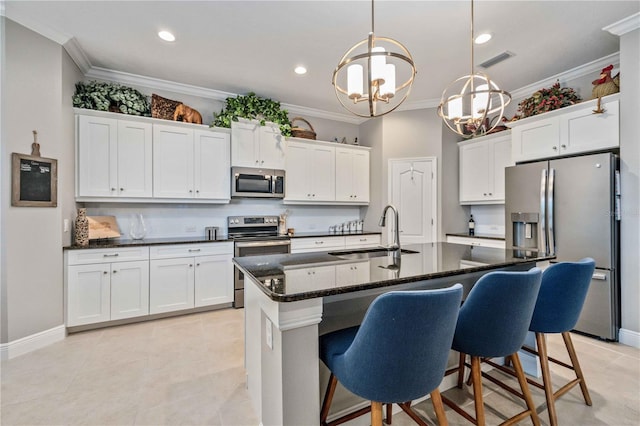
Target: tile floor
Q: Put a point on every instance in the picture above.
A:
(188, 370)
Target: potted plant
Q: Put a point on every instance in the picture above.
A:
(253, 107)
(103, 96)
(547, 100)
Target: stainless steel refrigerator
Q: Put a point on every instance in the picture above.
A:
(570, 207)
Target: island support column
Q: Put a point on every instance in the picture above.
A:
(281, 358)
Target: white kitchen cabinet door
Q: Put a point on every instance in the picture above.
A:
(88, 298)
(271, 147)
(129, 289)
(353, 273)
(352, 175)
(358, 241)
(213, 280)
(135, 161)
(500, 159)
(539, 139)
(97, 157)
(173, 154)
(310, 172)
(302, 280)
(474, 172)
(245, 139)
(211, 160)
(171, 285)
(582, 130)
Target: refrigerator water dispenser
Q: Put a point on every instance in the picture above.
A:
(525, 230)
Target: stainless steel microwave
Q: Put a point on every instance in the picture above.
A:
(248, 182)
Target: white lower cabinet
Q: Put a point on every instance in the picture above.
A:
(362, 241)
(480, 242)
(106, 284)
(353, 273)
(190, 275)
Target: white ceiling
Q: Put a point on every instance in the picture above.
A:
(242, 46)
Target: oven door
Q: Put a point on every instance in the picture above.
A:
(254, 248)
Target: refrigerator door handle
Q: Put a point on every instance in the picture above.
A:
(550, 212)
(542, 235)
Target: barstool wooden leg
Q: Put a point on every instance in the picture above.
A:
(576, 366)
(461, 369)
(517, 366)
(546, 378)
(328, 397)
(389, 413)
(436, 400)
(376, 413)
(476, 373)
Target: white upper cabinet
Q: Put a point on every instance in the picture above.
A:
(352, 175)
(190, 164)
(310, 172)
(114, 158)
(570, 130)
(482, 164)
(257, 146)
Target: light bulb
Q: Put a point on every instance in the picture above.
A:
(354, 81)
(378, 68)
(388, 89)
(454, 108)
(480, 101)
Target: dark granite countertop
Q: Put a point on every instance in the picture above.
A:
(431, 261)
(121, 242)
(480, 236)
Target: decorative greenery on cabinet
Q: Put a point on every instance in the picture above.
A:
(251, 106)
(111, 97)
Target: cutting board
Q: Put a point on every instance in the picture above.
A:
(103, 227)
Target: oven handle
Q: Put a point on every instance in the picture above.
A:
(263, 243)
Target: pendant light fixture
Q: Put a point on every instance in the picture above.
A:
(366, 78)
(470, 102)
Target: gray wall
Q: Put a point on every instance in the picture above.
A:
(33, 100)
(630, 171)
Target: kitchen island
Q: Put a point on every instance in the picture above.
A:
(295, 298)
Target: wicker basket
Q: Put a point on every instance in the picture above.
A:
(299, 132)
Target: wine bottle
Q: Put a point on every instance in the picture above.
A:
(472, 226)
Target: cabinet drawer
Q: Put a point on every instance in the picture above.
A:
(480, 242)
(362, 241)
(316, 244)
(123, 254)
(190, 250)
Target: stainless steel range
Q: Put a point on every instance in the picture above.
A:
(254, 236)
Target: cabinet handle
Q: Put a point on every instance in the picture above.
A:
(308, 195)
(363, 239)
(105, 272)
(555, 148)
(262, 162)
(490, 193)
(485, 194)
(114, 271)
(111, 255)
(191, 265)
(194, 250)
(191, 191)
(121, 189)
(319, 242)
(563, 146)
(197, 264)
(256, 161)
(113, 189)
(197, 191)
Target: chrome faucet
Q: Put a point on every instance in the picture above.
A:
(396, 240)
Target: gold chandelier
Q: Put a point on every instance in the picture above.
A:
(365, 79)
(469, 104)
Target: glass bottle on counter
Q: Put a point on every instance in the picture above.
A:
(472, 226)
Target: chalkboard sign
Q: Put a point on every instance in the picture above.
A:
(34, 181)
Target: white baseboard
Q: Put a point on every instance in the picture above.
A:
(31, 343)
(629, 338)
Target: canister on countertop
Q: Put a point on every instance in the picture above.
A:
(211, 233)
(360, 225)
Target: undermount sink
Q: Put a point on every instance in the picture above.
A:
(367, 253)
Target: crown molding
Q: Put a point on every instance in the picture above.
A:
(625, 25)
(317, 113)
(577, 72)
(424, 104)
(2, 8)
(77, 55)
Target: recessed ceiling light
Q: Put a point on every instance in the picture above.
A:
(166, 36)
(300, 70)
(482, 38)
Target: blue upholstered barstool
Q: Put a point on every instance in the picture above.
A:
(562, 295)
(493, 322)
(398, 354)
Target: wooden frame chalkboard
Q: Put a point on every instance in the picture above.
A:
(34, 181)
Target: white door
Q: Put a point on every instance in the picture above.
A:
(97, 156)
(413, 191)
(171, 284)
(129, 289)
(135, 147)
(88, 294)
(321, 172)
(211, 161)
(213, 280)
(172, 162)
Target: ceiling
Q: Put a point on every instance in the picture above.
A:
(242, 46)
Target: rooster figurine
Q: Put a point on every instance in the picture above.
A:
(605, 85)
